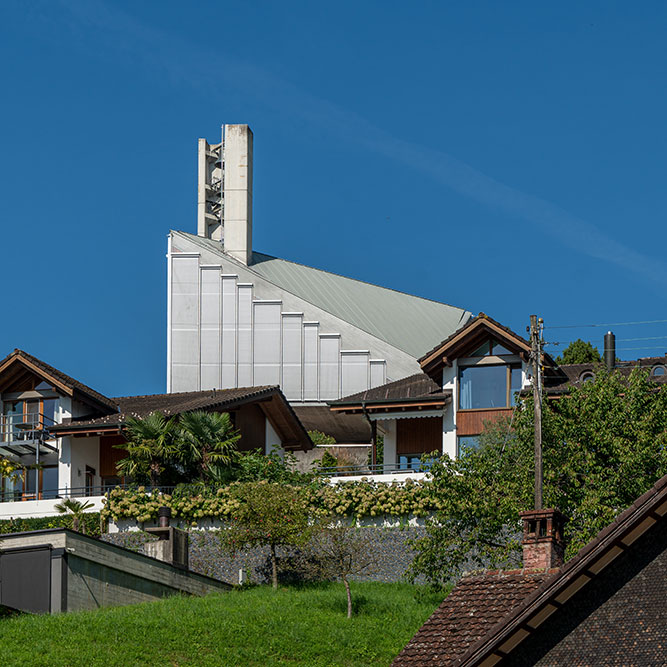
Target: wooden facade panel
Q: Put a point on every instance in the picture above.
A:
(251, 422)
(109, 455)
(471, 422)
(418, 436)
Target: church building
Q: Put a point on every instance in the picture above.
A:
(241, 318)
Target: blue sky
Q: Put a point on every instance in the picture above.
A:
(503, 157)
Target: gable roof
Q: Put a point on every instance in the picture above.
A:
(473, 607)
(281, 412)
(573, 577)
(410, 323)
(19, 362)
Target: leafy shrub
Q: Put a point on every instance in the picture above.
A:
(91, 520)
(352, 499)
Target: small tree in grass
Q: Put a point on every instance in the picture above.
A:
(268, 514)
(342, 551)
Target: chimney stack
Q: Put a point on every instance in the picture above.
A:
(610, 350)
(543, 546)
(224, 204)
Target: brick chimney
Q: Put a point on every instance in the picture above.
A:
(543, 546)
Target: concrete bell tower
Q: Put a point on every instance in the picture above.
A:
(224, 194)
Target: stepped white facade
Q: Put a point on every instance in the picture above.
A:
(238, 318)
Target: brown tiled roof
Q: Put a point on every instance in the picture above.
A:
(348, 429)
(170, 404)
(413, 387)
(589, 562)
(473, 607)
(82, 389)
(570, 374)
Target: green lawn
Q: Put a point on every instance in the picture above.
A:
(256, 626)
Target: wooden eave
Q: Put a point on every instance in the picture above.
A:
(16, 368)
(286, 423)
(392, 406)
(467, 340)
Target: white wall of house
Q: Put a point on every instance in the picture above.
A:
(388, 427)
(76, 454)
(273, 441)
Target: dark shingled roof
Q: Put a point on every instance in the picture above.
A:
(477, 604)
(170, 404)
(415, 386)
(591, 560)
(346, 429)
(65, 379)
(571, 374)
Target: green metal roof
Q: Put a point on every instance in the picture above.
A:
(410, 323)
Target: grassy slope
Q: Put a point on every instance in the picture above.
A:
(256, 626)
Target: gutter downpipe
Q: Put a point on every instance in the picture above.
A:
(374, 430)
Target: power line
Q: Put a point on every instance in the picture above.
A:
(609, 324)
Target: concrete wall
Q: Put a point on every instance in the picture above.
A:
(29, 509)
(99, 574)
(228, 327)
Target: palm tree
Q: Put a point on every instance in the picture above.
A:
(76, 509)
(206, 443)
(150, 447)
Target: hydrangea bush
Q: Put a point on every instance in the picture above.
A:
(351, 499)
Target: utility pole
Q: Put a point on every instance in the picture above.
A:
(536, 347)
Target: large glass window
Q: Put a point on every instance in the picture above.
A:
(488, 387)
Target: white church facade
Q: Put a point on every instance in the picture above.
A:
(239, 318)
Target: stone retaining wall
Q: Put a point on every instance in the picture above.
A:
(391, 555)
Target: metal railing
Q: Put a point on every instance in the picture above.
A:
(377, 469)
(93, 490)
(25, 428)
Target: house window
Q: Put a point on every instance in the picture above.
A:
(488, 387)
(658, 370)
(467, 443)
(491, 348)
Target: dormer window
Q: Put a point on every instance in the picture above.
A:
(658, 371)
(587, 376)
(489, 386)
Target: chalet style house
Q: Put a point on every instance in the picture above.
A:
(605, 606)
(473, 376)
(64, 433)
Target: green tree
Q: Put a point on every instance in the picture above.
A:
(342, 551)
(195, 447)
(206, 442)
(76, 509)
(268, 514)
(320, 438)
(579, 352)
(604, 444)
(151, 448)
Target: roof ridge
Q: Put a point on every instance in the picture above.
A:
(257, 388)
(97, 396)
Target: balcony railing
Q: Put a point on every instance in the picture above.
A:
(23, 435)
(377, 469)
